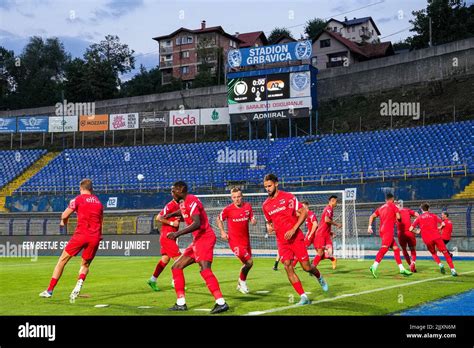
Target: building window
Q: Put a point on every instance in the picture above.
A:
(325, 43)
(190, 39)
(168, 58)
(167, 43)
(185, 54)
(184, 69)
(233, 43)
(335, 29)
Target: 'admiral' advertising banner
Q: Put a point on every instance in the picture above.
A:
(123, 121)
(63, 124)
(258, 88)
(94, 123)
(270, 54)
(154, 119)
(7, 124)
(33, 124)
(272, 115)
(265, 106)
(184, 118)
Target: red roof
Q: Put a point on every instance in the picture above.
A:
(249, 39)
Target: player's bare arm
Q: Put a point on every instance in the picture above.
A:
(253, 221)
(331, 222)
(302, 215)
(65, 216)
(313, 229)
(166, 221)
(371, 221)
(414, 230)
(191, 228)
(270, 229)
(173, 214)
(220, 225)
(399, 217)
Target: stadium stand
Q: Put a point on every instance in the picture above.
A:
(14, 162)
(376, 155)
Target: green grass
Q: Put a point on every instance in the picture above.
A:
(120, 282)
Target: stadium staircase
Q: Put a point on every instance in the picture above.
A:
(468, 192)
(25, 176)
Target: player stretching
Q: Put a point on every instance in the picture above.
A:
(311, 225)
(87, 236)
(388, 214)
(169, 248)
(280, 211)
(238, 215)
(405, 237)
(323, 240)
(200, 250)
(446, 229)
(428, 224)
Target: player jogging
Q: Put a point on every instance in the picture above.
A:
(388, 214)
(405, 237)
(311, 226)
(238, 215)
(87, 236)
(446, 229)
(428, 224)
(285, 215)
(169, 248)
(322, 240)
(199, 251)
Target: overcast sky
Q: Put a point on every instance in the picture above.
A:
(80, 23)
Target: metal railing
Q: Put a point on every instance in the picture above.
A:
(320, 179)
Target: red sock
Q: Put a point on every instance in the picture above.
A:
(406, 256)
(159, 268)
(212, 283)
(413, 255)
(298, 287)
(381, 254)
(52, 284)
(242, 276)
(448, 258)
(82, 276)
(436, 258)
(396, 254)
(178, 278)
(316, 260)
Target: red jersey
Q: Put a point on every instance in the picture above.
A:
(405, 223)
(428, 223)
(238, 222)
(447, 230)
(325, 228)
(89, 212)
(170, 207)
(388, 217)
(310, 220)
(281, 211)
(191, 206)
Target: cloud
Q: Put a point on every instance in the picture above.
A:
(115, 9)
(386, 19)
(7, 4)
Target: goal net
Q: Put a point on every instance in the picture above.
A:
(345, 240)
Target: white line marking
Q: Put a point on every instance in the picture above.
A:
(144, 307)
(262, 292)
(101, 305)
(273, 310)
(202, 309)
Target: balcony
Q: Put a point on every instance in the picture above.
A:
(166, 50)
(166, 65)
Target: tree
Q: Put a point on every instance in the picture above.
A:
(276, 33)
(145, 82)
(7, 82)
(451, 20)
(314, 27)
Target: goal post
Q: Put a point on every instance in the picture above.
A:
(345, 240)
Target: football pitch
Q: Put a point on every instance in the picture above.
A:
(120, 283)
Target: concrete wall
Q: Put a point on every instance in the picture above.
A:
(420, 66)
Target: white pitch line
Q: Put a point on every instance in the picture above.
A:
(279, 309)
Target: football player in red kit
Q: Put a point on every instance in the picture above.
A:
(323, 240)
(238, 215)
(285, 215)
(428, 224)
(388, 214)
(87, 236)
(446, 229)
(200, 251)
(169, 248)
(405, 237)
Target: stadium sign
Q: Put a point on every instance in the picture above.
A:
(33, 124)
(300, 84)
(63, 124)
(265, 106)
(270, 115)
(184, 118)
(154, 119)
(123, 121)
(7, 124)
(270, 54)
(258, 88)
(214, 116)
(94, 123)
